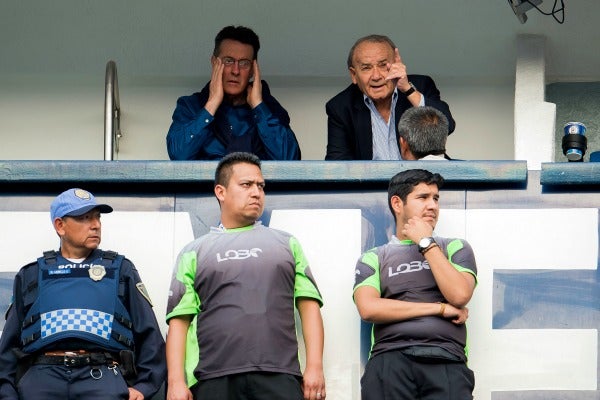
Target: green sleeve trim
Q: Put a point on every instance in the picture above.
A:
(452, 248)
(189, 304)
(372, 340)
(467, 343)
(371, 259)
(304, 285)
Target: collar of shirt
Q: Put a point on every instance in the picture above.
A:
(395, 240)
(221, 228)
(434, 157)
(385, 143)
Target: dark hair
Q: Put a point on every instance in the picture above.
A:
(239, 34)
(403, 183)
(425, 130)
(371, 39)
(225, 167)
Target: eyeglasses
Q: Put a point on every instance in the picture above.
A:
(244, 63)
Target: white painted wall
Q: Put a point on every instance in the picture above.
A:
(52, 59)
(62, 118)
(503, 359)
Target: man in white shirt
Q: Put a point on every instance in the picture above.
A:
(362, 119)
(423, 132)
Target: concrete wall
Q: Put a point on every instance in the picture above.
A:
(534, 318)
(62, 118)
(53, 57)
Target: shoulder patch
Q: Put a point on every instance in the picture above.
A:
(142, 289)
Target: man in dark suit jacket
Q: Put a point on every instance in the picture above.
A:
(379, 81)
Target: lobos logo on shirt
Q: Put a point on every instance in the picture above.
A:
(241, 254)
(414, 266)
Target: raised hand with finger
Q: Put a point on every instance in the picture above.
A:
(397, 73)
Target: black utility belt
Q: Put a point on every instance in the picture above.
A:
(76, 360)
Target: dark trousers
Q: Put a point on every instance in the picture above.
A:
(50, 382)
(395, 376)
(250, 386)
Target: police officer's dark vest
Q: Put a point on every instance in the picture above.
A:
(78, 301)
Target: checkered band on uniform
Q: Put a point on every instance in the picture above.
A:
(77, 319)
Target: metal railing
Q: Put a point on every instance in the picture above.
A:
(112, 112)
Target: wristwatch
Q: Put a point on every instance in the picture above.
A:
(425, 243)
(410, 91)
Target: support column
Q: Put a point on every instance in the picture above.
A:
(535, 119)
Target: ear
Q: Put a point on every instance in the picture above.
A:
(397, 205)
(403, 148)
(353, 75)
(220, 192)
(59, 224)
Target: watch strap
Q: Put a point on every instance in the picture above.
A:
(423, 249)
(431, 246)
(410, 91)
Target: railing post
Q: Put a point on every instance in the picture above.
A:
(112, 111)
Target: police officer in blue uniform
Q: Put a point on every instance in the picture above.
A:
(81, 324)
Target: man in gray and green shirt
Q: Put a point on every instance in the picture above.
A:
(239, 284)
(414, 290)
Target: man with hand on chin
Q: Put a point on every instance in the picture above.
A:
(415, 290)
(362, 119)
(232, 112)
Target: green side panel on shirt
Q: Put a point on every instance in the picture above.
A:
(192, 354)
(188, 305)
(303, 285)
(452, 248)
(186, 273)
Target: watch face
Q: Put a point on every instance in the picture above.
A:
(425, 242)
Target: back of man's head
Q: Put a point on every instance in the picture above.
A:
(225, 167)
(240, 34)
(425, 131)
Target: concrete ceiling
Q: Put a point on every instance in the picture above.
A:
(466, 40)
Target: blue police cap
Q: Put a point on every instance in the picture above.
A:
(75, 202)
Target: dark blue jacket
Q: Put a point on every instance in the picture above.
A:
(265, 131)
